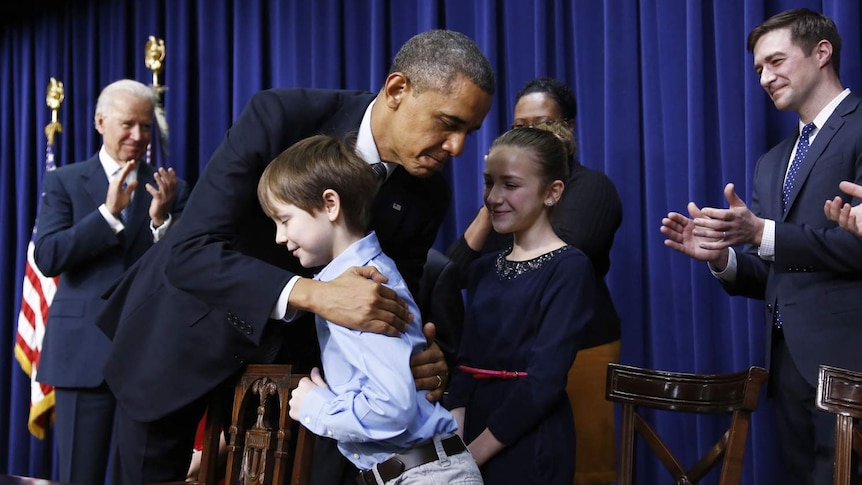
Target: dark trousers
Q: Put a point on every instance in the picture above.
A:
(329, 466)
(83, 427)
(157, 451)
(806, 435)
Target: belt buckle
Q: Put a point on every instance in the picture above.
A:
(366, 477)
(388, 470)
(391, 468)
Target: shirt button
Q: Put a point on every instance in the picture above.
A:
(307, 419)
(329, 432)
(356, 456)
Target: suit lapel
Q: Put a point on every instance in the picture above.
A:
(821, 141)
(94, 181)
(390, 202)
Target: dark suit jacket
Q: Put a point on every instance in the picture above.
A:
(74, 241)
(440, 301)
(816, 278)
(218, 276)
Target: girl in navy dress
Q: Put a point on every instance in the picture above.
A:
(527, 307)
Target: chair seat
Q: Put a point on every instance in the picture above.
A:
(735, 394)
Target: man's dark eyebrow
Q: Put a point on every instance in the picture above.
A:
(455, 119)
(772, 56)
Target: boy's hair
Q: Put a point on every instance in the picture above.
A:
(807, 29)
(300, 174)
(546, 143)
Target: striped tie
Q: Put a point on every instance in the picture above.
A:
(379, 169)
(124, 214)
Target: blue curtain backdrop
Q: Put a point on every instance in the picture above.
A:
(669, 107)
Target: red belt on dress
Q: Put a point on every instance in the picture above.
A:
(492, 374)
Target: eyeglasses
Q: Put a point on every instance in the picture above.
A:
(533, 123)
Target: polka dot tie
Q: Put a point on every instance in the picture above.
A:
(776, 318)
(801, 150)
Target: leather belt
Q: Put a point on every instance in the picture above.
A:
(420, 454)
(492, 374)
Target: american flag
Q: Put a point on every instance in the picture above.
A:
(36, 297)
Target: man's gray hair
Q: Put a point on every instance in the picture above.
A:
(105, 103)
(435, 58)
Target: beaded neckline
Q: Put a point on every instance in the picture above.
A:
(513, 269)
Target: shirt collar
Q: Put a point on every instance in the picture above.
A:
(357, 254)
(111, 166)
(365, 145)
(825, 113)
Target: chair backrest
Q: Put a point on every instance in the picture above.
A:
(839, 391)
(264, 445)
(735, 394)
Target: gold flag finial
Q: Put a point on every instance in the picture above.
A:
(154, 57)
(54, 98)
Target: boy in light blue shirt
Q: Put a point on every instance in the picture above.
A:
(319, 194)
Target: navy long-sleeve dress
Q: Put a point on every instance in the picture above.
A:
(524, 316)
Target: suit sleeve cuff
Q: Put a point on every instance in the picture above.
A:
(766, 251)
(281, 311)
(159, 232)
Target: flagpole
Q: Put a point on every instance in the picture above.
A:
(154, 59)
(37, 294)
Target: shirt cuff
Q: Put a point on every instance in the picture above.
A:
(281, 311)
(159, 232)
(113, 221)
(766, 251)
(729, 273)
(311, 412)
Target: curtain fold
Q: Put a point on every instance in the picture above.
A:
(669, 107)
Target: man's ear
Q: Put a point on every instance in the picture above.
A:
(99, 123)
(332, 204)
(823, 51)
(396, 88)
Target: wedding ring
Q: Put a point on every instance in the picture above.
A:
(723, 235)
(439, 381)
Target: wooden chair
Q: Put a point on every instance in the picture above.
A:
(839, 391)
(261, 444)
(736, 394)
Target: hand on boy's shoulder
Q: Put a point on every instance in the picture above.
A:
(356, 299)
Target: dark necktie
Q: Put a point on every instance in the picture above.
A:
(124, 213)
(379, 169)
(801, 150)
